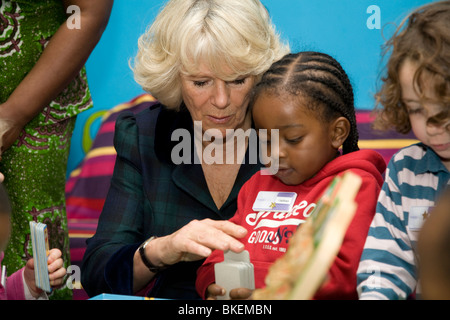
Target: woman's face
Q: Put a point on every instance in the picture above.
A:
(434, 136)
(218, 104)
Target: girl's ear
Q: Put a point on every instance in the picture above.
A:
(339, 131)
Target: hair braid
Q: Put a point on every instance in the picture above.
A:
(322, 79)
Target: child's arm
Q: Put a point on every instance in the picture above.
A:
(385, 270)
(56, 272)
(61, 60)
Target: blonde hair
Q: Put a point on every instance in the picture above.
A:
(232, 37)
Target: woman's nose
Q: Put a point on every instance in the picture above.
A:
(221, 94)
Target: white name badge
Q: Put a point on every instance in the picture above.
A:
(417, 216)
(274, 201)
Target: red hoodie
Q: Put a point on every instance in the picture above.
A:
(268, 233)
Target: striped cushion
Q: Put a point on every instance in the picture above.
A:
(88, 184)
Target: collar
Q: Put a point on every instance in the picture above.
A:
(189, 176)
(430, 162)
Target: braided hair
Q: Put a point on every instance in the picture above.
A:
(320, 79)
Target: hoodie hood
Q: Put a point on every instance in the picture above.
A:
(363, 162)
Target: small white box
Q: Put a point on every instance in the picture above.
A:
(236, 271)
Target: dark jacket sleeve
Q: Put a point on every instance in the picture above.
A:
(119, 228)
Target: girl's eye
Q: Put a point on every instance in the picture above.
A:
(294, 140)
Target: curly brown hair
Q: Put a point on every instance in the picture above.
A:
(424, 38)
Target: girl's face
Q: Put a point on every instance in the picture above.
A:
(218, 104)
(305, 143)
(434, 136)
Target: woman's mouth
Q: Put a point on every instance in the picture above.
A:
(219, 120)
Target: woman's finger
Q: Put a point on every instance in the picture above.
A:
(219, 235)
(197, 239)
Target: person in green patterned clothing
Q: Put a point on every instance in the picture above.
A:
(44, 45)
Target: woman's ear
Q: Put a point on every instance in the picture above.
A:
(339, 131)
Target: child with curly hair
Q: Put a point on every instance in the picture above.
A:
(415, 95)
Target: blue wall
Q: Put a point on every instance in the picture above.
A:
(342, 28)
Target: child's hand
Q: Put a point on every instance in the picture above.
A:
(56, 272)
(215, 290)
(56, 269)
(240, 294)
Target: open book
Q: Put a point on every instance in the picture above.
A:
(313, 248)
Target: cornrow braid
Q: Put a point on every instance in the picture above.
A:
(319, 78)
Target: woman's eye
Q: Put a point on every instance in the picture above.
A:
(200, 83)
(239, 81)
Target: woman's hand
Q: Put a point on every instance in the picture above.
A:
(9, 128)
(194, 241)
(197, 239)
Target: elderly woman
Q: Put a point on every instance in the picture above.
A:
(161, 218)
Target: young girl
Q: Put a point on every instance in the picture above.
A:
(415, 95)
(308, 99)
(21, 285)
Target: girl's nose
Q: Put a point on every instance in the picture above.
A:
(277, 149)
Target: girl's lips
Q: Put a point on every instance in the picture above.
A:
(283, 172)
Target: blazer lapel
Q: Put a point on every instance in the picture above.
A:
(190, 178)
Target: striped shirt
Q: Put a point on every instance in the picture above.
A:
(415, 177)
